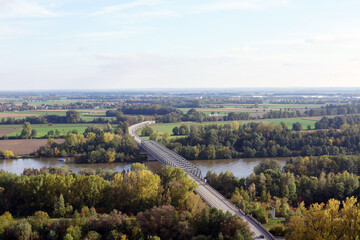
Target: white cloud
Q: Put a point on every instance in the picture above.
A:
(236, 5)
(23, 9)
(327, 39)
(8, 31)
(163, 8)
(111, 34)
(126, 6)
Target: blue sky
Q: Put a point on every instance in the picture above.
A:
(91, 44)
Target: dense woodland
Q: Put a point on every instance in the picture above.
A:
(261, 140)
(298, 192)
(95, 146)
(138, 204)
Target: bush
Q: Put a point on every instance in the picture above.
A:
(278, 230)
(8, 154)
(20, 231)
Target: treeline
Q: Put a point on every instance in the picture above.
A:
(153, 109)
(337, 122)
(194, 102)
(70, 117)
(301, 183)
(261, 140)
(334, 109)
(31, 105)
(328, 110)
(137, 204)
(94, 146)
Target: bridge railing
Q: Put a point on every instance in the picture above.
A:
(186, 165)
(256, 222)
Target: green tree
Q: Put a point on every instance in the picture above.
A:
(21, 231)
(72, 116)
(26, 131)
(297, 126)
(33, 133)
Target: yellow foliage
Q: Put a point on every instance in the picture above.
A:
(107, 137)
(9, 154)
(326, 221)
(90, 136)
(235, 125)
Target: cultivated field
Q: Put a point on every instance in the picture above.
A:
(24, 146)
(7, 131)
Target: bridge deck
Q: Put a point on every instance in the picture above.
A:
(212, 197)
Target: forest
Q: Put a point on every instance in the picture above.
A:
(298, 191)
(95, 146)
(261, 140)
(57, 204)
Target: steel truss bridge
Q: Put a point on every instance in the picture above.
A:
(212, 197)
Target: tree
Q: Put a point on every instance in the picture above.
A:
(72, 116)
(297, 126)
(267, 164)
(6, 220)
(26, 131)
(33, 133)
(175, 131)
(177, 183)
(135, 190)
(20, 231)
(38, 220)
(326, 221)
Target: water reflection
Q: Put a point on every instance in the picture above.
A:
(240, 167)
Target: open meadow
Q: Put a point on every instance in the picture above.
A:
(167, 127)
(43, 129)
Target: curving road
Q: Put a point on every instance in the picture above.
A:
(206, 192)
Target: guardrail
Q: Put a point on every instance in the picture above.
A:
(256, 222)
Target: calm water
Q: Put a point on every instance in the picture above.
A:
(240, 167)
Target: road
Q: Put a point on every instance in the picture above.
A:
(206, 192)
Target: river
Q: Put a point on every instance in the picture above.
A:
(242, 167)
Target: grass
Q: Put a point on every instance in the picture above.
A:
(273, 222)
(87, 115)
(167, 127)
(43, 129)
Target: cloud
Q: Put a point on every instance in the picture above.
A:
(334, 40)
(23, 9)
(110, 35)
(236, 5)
(162, 8)
(9, 31)
(126, 6)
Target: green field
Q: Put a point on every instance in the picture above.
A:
(167, 127)
(43, 129)
(86, 115)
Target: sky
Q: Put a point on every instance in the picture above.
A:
(92, 44)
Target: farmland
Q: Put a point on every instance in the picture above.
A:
(87, 115)
(24, 146)
(43, 129)
(167, 127)
(254, 110)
